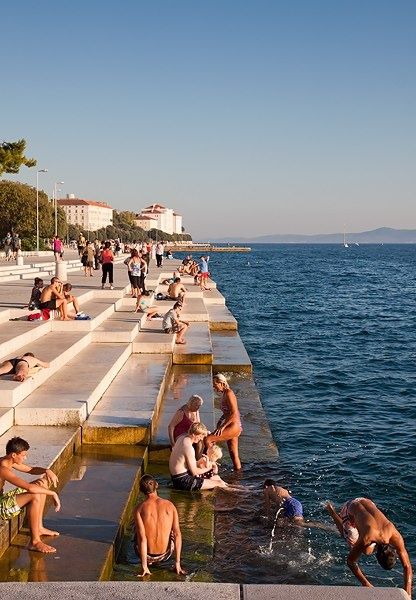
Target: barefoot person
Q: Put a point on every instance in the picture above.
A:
(280, 498)
(53, 298)
(176, 290)
(229, 425)
(32, 495)
(173, 324)
(185, 473)
(366, 529)
(19, 366)
(157, 531)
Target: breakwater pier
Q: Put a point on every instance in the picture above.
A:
(98, 416)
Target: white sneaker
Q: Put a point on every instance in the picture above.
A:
(111, 287)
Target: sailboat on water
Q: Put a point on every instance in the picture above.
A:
(345, 240)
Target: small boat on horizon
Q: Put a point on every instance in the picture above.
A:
(345, 240)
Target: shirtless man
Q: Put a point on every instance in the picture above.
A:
(157, 531)
(185, 473)
(19, 366)
(176, 290)
(52, 297)
(32, 495)
(366, 530)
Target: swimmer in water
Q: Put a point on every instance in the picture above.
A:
(366, 529)
(291, 508)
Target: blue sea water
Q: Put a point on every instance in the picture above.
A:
(331, 332)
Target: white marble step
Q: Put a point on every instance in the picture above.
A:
(56, 348)
(99, 309)
(127, 411)
(153, 340)
(70, 395)
(122, 326)
(48, 445)
(16, 334)
(198, 348)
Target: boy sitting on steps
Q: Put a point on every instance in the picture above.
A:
(33, 494)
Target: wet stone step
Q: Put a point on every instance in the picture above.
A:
(99, 489)
(129, 408)
(229, 353)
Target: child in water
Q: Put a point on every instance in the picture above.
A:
(290, 507)
(209, 460)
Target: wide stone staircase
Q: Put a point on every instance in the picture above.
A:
(105, 388)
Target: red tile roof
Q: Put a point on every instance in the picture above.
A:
(81, 202)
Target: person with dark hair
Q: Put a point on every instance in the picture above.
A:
(20, 365)
(176, 290)
(134, 265)
(366, 529)
(107, 261)
(288, 506)
(173, 324)
(31, 495)
(157, 533)
(34, 301)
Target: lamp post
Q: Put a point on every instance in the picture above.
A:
(55, 197)
(37, 206)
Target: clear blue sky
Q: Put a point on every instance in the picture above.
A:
(247, 118)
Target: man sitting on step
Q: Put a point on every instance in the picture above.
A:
(157, 533)
(31, 495)
(176, 290)
(53, 298)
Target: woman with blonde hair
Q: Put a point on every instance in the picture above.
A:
(229, 425)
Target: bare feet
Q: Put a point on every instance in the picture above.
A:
(51, 532)
(41, 547)
(183, 342)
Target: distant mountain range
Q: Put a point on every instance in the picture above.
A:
(383, 235)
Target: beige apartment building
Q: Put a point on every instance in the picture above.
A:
(88, 214)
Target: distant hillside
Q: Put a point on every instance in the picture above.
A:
(383, 235)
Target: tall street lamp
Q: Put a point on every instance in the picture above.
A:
(55, 197)
(37, 206)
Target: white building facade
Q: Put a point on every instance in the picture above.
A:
(88, 214)
(157, 216)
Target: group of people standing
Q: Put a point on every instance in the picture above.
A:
(12, 244)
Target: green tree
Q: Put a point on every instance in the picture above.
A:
(12, 157)
(18, 213)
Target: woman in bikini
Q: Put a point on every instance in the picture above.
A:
(229, 426)
(19, 366)
(184, 417)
